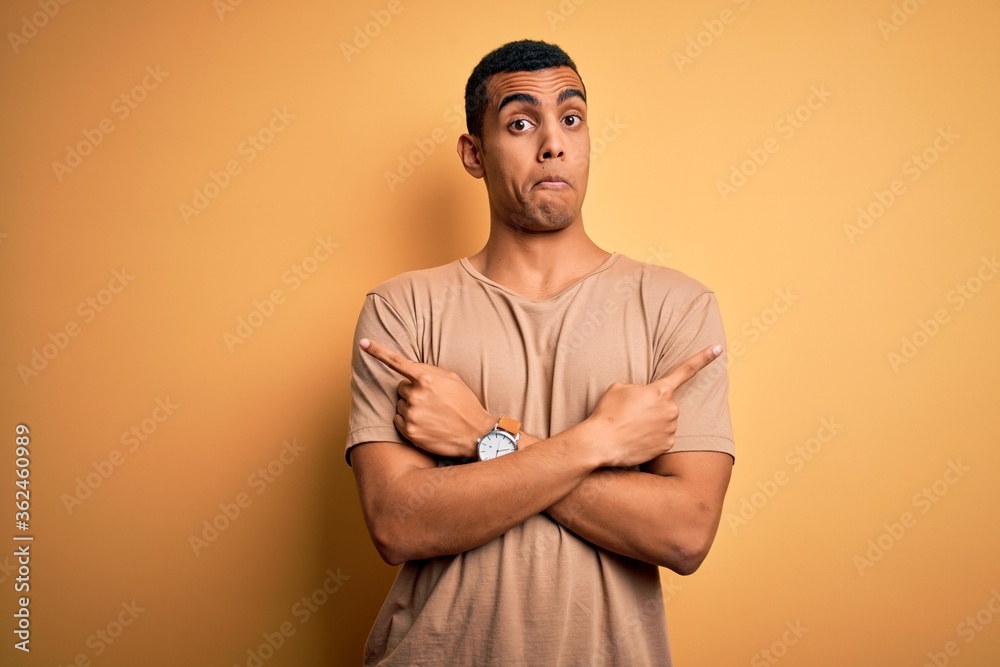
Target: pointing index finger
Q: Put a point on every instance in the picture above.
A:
(688, 368)
(390, 358)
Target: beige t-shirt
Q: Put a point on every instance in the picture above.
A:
(538, 594)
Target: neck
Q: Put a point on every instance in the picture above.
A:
(538, 264)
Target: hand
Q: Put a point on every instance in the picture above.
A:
(639, 421)
(436, 410)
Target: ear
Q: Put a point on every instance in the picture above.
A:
(470, 152)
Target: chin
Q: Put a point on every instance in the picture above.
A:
(545, 223)
(548, 219)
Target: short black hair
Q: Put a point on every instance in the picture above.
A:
(526, 55)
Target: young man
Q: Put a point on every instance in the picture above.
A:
(537, 427)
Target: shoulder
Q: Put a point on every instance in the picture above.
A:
(402, 288)
(658, 282)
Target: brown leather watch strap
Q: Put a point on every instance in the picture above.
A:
(509, 425)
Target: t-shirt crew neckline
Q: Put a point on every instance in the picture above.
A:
(467, 265)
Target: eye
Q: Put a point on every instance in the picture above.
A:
(520, 125)
(573, 120)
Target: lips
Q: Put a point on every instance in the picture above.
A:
(553, 180)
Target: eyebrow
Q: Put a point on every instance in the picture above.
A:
(533, 101)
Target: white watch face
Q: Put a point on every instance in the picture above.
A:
(495, 444)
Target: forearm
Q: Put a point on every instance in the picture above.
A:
(638, 514)
(428, 512)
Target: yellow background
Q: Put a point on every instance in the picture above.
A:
(671, 131)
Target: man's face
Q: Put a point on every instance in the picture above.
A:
(536, 148)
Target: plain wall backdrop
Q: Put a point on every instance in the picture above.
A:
(197, 195)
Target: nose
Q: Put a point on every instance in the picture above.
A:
(553, 142)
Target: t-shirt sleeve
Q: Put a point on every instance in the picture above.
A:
(373, 384)
(704, 423)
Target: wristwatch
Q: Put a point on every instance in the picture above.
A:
(501, 440)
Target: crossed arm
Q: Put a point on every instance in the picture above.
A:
(667, 513)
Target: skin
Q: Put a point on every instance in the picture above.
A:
(535, 162)
(534, 159)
